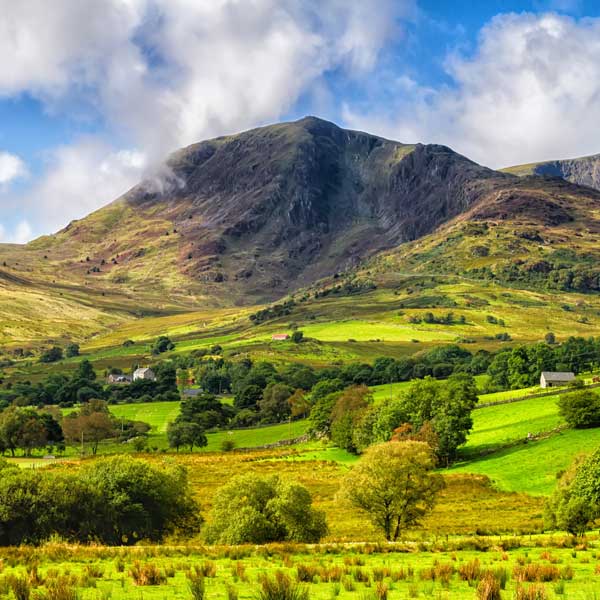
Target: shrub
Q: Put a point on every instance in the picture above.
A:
(251, 509)
(196, 585)
(306, 573)
(60, 588)
(536, 572)
(231, 591)
(281, 587)
(147, 574)
(227, 445)
(470, 571)
(532, 592)
(488, 587)
(20, 587)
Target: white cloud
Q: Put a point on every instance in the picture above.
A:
(21, 234)
(530, 92)
(80, 178)
(165, 73)
(11, 168)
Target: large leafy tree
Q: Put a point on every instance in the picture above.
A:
(91, 424)
(394, 484)
(184, 433)
(580, 409)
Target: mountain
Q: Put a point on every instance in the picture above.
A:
(252, 216)
(246, 219)
(581, 171)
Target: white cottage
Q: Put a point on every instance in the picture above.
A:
(550, 379)
(144, 373)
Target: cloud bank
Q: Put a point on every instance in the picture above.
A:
(530, 92)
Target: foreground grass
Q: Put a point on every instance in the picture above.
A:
(441, 570)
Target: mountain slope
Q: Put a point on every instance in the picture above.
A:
(250, 218)
(581, 171)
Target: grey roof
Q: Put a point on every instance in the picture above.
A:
(558, 375)
(192, 392)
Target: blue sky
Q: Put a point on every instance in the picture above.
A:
(93, 95)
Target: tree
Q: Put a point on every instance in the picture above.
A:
(394, 484)
(565, 509)
(297, 336)
(203, 409)
(88, 426)
(274, 406)
(72, 350)
(176, 435)
(451, 417)
(162, 344)
(580, 409)
(299, 404)
(143, 501)
(320, 415)
(257, 510)
(184, 433)
(550, 338)
(248, 397)
(346, 415)
(27, 429)
(54, 354)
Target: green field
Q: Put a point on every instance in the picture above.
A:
(156, 414)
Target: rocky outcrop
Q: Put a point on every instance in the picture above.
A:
(581, 171)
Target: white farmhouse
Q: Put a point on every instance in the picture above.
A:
(144, 373)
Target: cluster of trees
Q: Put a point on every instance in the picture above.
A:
(28, 429)
(272, 312)
(437, 413)
(56, 353)
(83, 385)
(430, 318)
(112, 501)
(347, 288)
(121, 500)
(521, 366)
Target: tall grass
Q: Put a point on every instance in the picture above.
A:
(281, 587)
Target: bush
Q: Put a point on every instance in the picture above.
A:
(251, 509)
(580, 409)
(147, 574)
(281, 587)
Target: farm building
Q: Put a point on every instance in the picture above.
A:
(119, 379)
(144, 373)
(555, 379)
(280, 337)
